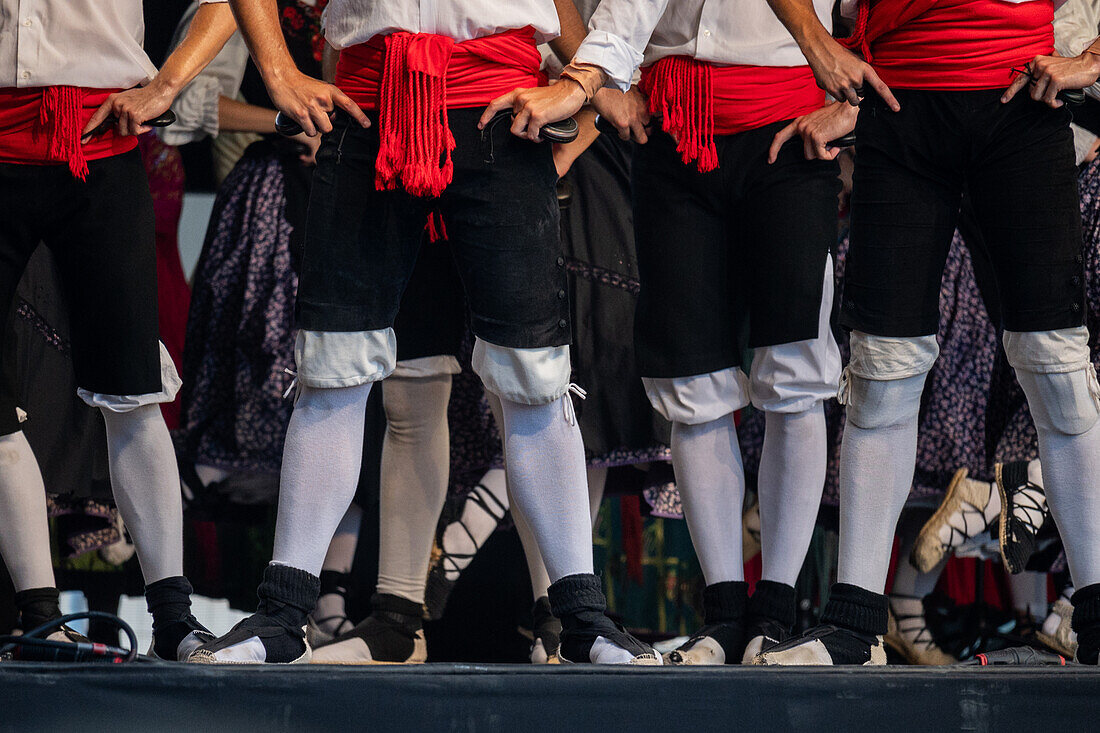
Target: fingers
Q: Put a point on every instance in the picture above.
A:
(1017, 84)
(851, 96)
(345, 103)
(503, 102)
(1039, 88)
(870, 77)
(99, 116)
(637, 129)
(302, 117)
(1051, 95)
(519, 122)
(781, 139)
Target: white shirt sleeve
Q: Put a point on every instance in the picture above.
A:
(618, 35)
(1076, 25)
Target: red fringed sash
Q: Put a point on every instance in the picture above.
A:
(42, 126)
(412, 79)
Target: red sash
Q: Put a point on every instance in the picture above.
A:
(42, 126)
(413, 79)
(952, 44)
(697, 101)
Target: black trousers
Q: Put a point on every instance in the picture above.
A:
(101, 234)
(1016, 162)
(501, 217)
(731, 258)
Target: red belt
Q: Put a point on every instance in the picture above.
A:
(952, 44)
(42, 126)
(412, 79)
(697, 101)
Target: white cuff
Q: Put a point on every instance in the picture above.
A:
(170, 386)
(327, 359)
(612, 54)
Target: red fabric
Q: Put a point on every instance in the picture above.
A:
(697, 101)
(412, 79)
(42, 126)
(952, 44)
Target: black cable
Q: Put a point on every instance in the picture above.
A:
(33, 646)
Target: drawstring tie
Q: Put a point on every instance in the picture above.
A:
(681, 92)
(567, 402)
(293, 382)
(844, 390)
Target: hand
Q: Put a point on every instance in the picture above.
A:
(312, 144)
(133, 107)
(1051, 74)
(628, 112)
(843, 74)
(536, 107)
(816, 130)
(311, 102)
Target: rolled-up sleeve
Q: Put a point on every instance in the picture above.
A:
(618, 34)
(1076, 26)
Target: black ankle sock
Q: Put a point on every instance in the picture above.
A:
(774, 601)
(287, 596)
(399, 611)
(36, 607)
(578, 602)
(1086, 623)
(169, 602)
(859, 610)
(725, 602)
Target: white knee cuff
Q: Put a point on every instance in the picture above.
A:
(891, 357)
(884, 380)
(170, 386)
(527, 376)
(1054, 370)
(328, 359)
(699, 399)
(794, 377)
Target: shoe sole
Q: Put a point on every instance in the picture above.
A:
(201, 656)
(1056, 645)
(928, 550)
(1013, 565)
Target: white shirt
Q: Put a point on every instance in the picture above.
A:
(84, 43)
(624, 34)
(350, 22)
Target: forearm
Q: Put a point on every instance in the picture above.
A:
(572, 31)
(211, 28)
(236, 116)
(329, 58)
(259, 24)
(800, 19)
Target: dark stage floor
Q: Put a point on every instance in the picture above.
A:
(448, 697)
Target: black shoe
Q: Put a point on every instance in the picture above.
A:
(588, 635)
(546, 633)
(826, 645)
(183, 637)
(1024, 511)
(762, 635)
(275, 634)
(392, 634)
(712, 644)
(257, 639)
